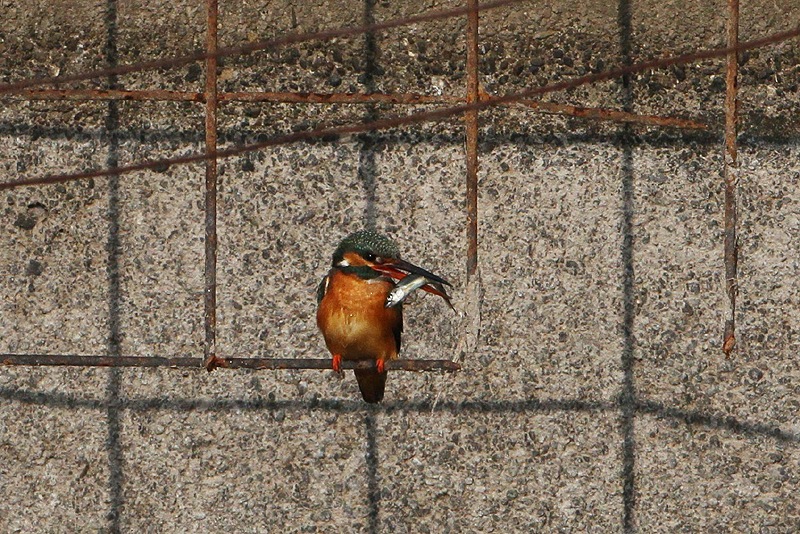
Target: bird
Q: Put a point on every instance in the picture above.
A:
(353, 314)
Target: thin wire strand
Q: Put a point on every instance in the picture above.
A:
(159, 95)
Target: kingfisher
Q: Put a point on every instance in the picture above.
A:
(353, 314)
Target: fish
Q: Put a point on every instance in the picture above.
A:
(411, 283)
(404, 288)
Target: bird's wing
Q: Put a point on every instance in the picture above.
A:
(322, 288)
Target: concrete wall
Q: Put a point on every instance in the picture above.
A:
(596, 397)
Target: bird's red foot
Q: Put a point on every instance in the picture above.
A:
(337, 363)
(381, 365)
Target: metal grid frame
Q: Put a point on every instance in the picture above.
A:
(470, 106)
(475, 99)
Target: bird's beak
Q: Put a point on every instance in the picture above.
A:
(399, 269)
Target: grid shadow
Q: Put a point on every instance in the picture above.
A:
(627, 399)
(114, 250)
(484, 406)
(627, 405)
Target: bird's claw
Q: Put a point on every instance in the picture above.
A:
(336, 364)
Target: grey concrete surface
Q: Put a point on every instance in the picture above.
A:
(594, 399)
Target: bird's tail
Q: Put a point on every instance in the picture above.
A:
(371, 383)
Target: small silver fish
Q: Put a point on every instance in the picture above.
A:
(411, 283)
(404, 288)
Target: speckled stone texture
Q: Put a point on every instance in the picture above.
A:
(595, 397)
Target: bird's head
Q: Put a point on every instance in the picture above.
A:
(367, 251)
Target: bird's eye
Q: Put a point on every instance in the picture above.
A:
(369, 256)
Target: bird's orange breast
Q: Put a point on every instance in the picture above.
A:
(354, 320)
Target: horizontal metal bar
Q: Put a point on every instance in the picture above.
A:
(227, 363)
(332, 98)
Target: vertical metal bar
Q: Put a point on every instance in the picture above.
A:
(210, 294)
(731, 175)
(471, 121)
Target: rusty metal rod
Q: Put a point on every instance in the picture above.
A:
(335, 98)
(471, 126)
(268, 44)
(76, 360)
(348, 98)
(614, 115)
(425, 116)
(731, 176)
(210, 289)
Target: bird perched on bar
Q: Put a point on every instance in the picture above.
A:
(356, 317)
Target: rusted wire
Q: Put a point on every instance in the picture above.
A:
(227, 363)
(210, 282)
(249, 48)
(421, 117)
(350, 98)
(471, 126)
(614, 115)
(334, 98)
(731, 176)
